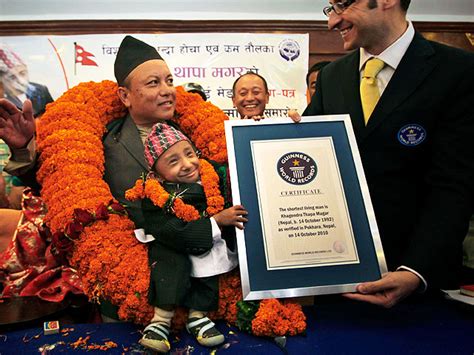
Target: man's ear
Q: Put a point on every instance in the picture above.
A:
(388, 4)
(124, 94)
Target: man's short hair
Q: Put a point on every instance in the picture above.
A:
(405, 4)
(315, 68)
(265, 85)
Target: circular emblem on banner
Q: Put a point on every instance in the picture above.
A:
(411, 135)
(289, 49)
(297, 168)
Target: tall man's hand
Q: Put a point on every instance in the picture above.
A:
(389, 290)
(294, 115)
(16, 127)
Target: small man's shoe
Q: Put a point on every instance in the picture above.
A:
(205, 331)
(155, 337)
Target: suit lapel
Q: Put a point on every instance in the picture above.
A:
(349, 79)
(415, 66)
(130, 139)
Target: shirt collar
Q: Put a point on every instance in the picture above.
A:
(393, 54)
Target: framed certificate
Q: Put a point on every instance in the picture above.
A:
(311, 226)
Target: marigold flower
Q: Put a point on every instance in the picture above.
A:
(112, 264)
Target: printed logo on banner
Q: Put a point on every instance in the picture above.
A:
(82, 56)
(297, 168)
(289, 50)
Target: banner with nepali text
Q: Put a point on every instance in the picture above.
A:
(213, 60)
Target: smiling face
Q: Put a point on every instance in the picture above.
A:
(362, 24)
(250, 96)
(179, 164)
(149, 93)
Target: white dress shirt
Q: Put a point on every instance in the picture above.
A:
(391, 57)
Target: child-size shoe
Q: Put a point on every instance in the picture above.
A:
(205, 331)
(155, 337)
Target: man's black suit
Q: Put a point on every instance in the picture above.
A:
(422, 192)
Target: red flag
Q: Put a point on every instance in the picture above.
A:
(82, 56)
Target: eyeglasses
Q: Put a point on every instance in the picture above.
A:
(338, 7)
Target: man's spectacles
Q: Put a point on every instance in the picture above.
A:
(338, 7)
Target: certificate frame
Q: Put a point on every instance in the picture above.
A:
(258, 281)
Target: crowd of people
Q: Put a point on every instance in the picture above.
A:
(415, 142)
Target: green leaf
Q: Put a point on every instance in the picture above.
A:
(245, 314)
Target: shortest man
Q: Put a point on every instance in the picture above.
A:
(188, 252)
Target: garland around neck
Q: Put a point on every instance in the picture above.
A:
(172, 203)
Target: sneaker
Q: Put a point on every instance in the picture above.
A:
(204, 331)
(155, 337)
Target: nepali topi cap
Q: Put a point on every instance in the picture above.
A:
(132, 52)
(159, 140)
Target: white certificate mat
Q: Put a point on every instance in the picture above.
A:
(303, 209)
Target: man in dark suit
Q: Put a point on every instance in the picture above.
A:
(416, 146)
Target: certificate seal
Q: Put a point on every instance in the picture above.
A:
(297, 168)
(339, 247)
(411, 135)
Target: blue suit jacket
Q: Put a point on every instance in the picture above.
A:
(422, 191)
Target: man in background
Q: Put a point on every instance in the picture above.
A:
(250, 95)
(196, 89)
(311, 78)
(17, 85)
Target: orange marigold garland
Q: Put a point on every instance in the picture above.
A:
(111, 263)
(92, 230)
(203, 123)
(278, 318)
(152, 189)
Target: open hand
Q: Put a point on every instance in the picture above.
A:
(233, 216)
(389, 290)
(16, 127)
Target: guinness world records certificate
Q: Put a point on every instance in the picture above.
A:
(305, 220)
(311, 226)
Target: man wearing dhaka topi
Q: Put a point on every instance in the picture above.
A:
(145, 88)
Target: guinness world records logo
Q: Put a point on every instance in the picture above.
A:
(411, 135)
(297, 168)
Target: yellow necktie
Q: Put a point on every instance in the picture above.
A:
(369, 91)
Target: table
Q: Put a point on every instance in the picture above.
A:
(336, 325)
